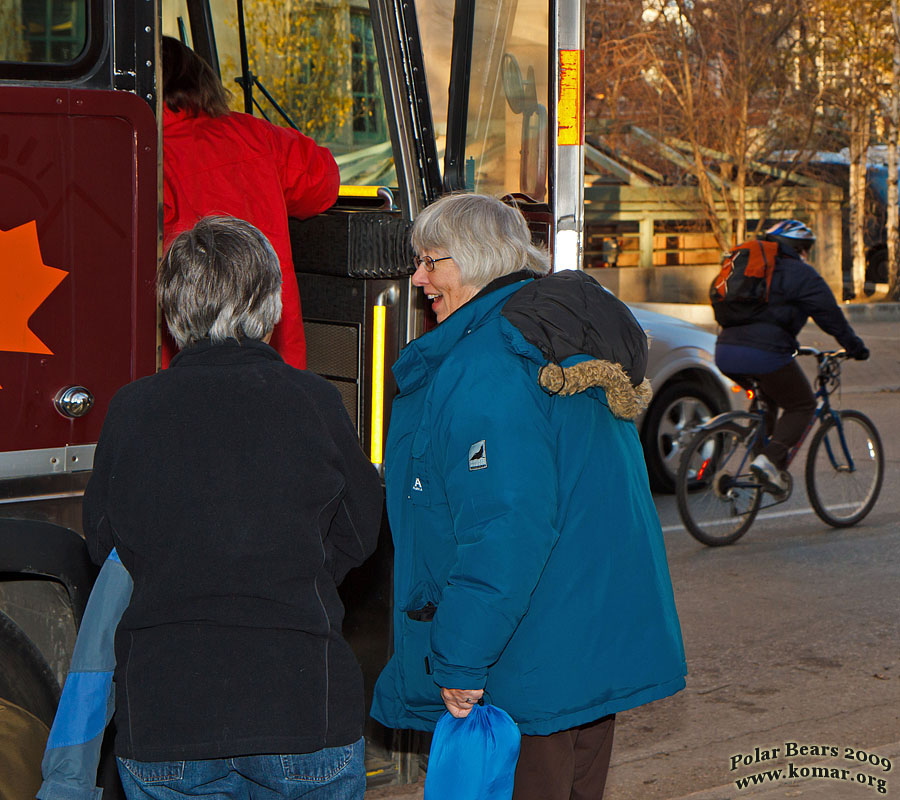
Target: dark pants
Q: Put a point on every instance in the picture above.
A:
(568, 765)
(788, 389)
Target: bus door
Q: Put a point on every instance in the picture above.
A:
(78, 236)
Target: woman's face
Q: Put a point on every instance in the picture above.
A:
(443, 285)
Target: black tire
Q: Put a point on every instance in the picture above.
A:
(678, 407)
(25, 677)
(718, 498)
(840, 496)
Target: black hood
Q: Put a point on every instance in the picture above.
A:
(569, 313)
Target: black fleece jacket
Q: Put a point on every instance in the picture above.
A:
(235, 491)
(797, 293)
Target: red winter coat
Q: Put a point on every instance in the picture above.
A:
(243, 166)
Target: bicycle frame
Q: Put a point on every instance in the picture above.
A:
(826, 383)
(827, 380)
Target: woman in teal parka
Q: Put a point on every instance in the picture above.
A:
(529, 565)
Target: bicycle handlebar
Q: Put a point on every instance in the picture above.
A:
(821, 354)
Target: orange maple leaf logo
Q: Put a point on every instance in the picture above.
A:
(25, 282)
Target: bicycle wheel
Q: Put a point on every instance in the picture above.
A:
(843, 482)
(718, 498)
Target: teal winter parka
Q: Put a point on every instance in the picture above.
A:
(529, 559)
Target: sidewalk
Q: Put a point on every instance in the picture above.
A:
(701, 313)
(849, 787)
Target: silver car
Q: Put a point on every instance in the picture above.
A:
(687, 390)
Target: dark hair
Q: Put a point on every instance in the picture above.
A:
(189, 83)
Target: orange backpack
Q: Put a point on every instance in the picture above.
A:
(740, 292)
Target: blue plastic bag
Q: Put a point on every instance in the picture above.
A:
(473, 758)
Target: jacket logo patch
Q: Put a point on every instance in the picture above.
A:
(477, 456)
(417, 485)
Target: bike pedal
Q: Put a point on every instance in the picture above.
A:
(768, 485)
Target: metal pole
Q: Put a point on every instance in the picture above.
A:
(246, 77)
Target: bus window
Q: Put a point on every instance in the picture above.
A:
(506, 131)
(43, 31)
(318, 66)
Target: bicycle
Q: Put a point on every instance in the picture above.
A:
(718, 497)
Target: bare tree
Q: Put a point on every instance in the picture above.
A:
(853, 59)
(732, 98)
(300, 49)
(616, 57)
(12, 42)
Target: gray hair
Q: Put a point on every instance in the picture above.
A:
(486, 237)
(219, 280)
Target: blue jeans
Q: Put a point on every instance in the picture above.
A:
(334, 773)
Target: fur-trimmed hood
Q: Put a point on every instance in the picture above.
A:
(585, 338)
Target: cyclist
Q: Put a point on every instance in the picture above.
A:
(764, 348)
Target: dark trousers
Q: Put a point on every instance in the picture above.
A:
(568, 765)
(788, 389)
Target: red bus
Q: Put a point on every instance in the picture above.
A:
(413, 98)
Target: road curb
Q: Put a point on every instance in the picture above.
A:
(872, 312)
(701, 313)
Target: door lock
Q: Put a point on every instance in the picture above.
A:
(73, 401)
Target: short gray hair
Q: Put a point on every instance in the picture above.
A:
(219, 280)
(486, 237)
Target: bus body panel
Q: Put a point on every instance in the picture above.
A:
(78, 222)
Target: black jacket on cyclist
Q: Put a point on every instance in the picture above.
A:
(797, 293)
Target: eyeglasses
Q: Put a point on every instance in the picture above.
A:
(428, 262)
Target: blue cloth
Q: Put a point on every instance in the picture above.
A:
(736, 359)
(526, 519)
(69, 767)
(333, 773)
(473, 758)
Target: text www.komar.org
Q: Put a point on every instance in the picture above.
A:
(792, 771)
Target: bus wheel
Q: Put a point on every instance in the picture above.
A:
(25, 678)
(28, 697)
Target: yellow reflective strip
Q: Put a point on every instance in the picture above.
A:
(570, 108)
(358, 191)
(376, 448)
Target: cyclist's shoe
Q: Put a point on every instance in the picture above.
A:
(771, 478)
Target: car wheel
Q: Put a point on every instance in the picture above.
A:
(678, 407)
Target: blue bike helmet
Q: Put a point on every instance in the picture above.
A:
(792, 233)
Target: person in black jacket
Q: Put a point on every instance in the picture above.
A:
(235, 492)
(764, 349)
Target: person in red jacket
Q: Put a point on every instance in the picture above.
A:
(218, 161)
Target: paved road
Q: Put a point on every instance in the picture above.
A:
(792, 636)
